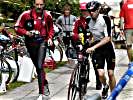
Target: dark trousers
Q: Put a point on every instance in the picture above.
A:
(70, 51)
(37, 53)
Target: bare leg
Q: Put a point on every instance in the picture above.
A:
(102, 76)
(112, 80)
(129, 52)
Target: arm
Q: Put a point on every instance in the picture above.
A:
(19, 26)
(121, 23)
(50, 27)
(59, 23)
(121, 15)
(75, 31)
(101, 43)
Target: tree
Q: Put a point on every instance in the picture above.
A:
(57, 6)
(13, 8)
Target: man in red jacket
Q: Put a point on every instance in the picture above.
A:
(37, 27)
(82, 22)
(126, 16)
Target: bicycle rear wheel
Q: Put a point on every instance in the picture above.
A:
(13, 57)
(57, 54)
(60, 51)
(74, 89)
(5, 68)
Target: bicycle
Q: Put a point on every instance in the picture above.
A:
(80, 75)
(69, 45)
(11, 50)
(4, 65)
(57, 40)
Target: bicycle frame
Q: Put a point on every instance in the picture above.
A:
(80, 75)
(122, 82)
(58, 44)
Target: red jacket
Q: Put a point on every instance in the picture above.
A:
(80, 22)
(43, 25)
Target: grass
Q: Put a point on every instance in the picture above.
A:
(14, 85)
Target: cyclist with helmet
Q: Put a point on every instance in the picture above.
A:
(82, 22)
(66, 22)
(36, 25)
(102, 48)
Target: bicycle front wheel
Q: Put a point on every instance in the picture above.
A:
(84, 79)
(74, 89)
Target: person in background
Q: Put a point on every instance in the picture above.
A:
(126, 25)
(102, 49)
(82, 22)
(36, 25)
(66, 21)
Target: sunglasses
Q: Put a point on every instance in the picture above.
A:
(93, 10)
(83, 10)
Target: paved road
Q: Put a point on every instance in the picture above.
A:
(59, 79)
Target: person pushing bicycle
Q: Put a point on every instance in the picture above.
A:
(81, 27)
(102, 48)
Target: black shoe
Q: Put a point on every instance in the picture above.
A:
(46, 89)
(105, 92)
(98, 87)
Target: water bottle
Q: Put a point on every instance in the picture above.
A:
(81, 34)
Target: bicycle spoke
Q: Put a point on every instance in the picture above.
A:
(84, 78)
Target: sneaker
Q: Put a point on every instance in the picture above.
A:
(40, 97)
(46, 89)
(105, 92)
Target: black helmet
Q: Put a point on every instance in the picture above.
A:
(93, 6)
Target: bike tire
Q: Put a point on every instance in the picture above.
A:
(60, 51)
(84, 79)
(73, 89)
(5, 68)
(13, 55)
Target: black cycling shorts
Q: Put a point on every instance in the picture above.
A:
(102, 54)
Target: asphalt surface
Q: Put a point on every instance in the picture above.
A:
(59, 80)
